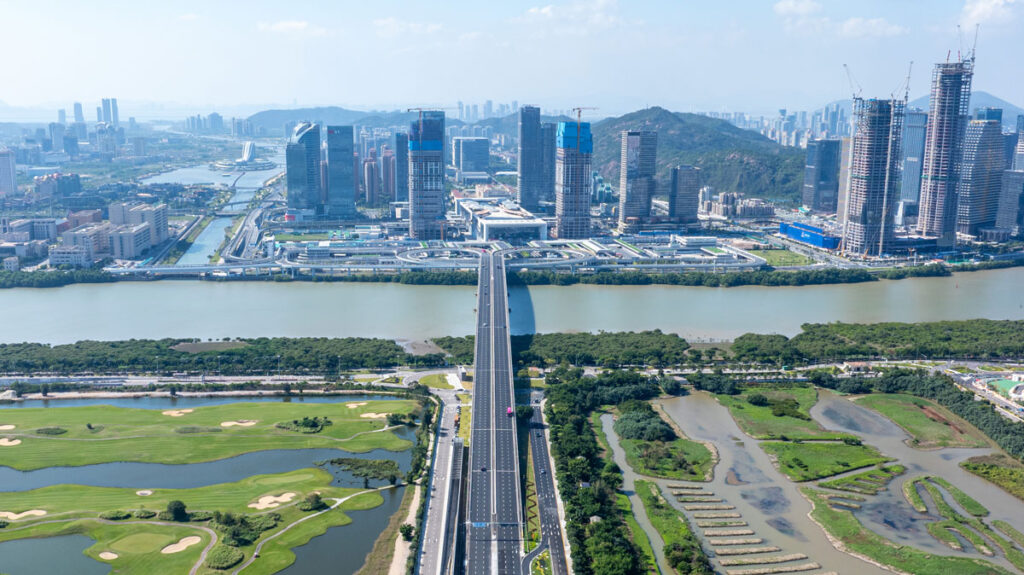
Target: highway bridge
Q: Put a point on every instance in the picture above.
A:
(494, 520)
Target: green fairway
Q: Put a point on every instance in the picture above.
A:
(782, 258)
(807, 461)
(102, 434)
(852, 535)
(138, 543)
(762, 422)
(930, 425)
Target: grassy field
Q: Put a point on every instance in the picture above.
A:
(930, 425)
(679, 459)
(782, 258)
(102, 434)
(1004, 471)
(138, 544)
(760, 422)
(436, 381)
(673, 528)
(866, 482)
(845, 527)
(808, 461)
(637, 533)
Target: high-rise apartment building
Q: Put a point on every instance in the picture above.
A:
(684, 194)
(915, 127)
(874, 173)
(107, 118)
(302, 166)
(340, 185)
(371, 181)
(574, 146)
(981, 175)
(426, 176)
(114, 119)
(821, 175)
(1011, 202)
(8, 175)
(1018, 157)
(530, 181)
(637, 166)
(401, 167)
(943, 150)
(387, 176)
(62, 116)
(79, 115)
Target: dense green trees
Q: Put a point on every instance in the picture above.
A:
(607, 349)
(970, 339)
(588, 483)
(321, 356)
(638, 420)
(52, 278)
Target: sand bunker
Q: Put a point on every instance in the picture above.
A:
(6, 427)
(355, 405)
(108, 556)
(269, 501)
(16, 516)
(144, 492)
(372, 415)
(241, 422)
(182, 545)
(177, 412)
(4, 442)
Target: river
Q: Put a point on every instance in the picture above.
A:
(185, 309)
(246, 184)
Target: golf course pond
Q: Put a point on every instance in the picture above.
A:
(341, 548)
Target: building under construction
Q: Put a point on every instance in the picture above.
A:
(874, 175)
(572, 180)
(943, 150)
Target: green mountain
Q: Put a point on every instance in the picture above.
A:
(731, 159)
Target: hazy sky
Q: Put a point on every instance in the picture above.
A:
(687, 55)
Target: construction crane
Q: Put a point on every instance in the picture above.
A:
(579, 120)
(854, 84)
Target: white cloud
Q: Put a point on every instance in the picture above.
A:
(190, 17)
(869, 28)
(986, 11)
(393, 27)
(796, 7)
(297, 27)
(580, 17)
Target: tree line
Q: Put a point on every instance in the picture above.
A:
(967, 339)
(307, 355)
(56, 278)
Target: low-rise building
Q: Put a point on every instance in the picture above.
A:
(11, 264)
(130, 242)
(74, 256)
(491, 219)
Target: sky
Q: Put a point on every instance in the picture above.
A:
(171, 58)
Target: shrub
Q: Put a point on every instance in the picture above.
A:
(3, 524)
(176, 510)
(200, 516)
(407, 531)
(197, 429)
(312, 502)
(223, 557)
(116, 515)
(51, 431)
(757, 399)
(144, 514)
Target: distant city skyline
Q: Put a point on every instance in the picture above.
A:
(683, 56)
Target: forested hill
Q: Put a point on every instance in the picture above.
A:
(731, 159)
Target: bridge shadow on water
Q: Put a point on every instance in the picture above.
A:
(522, 319)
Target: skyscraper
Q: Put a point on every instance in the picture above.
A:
(401, 167)
(62, 116)
(548, 154)
(981, 175)
(99, 115)
(106, 111)
(943, 150)
(8, 176)
(371, 181)
(113, 113)
(79, 116)
(426, 176)
(914, 131)
(387, 175)
(530, 183)
(302, 163)
(572, 180)
(471, 154)
(874, 172)
(1018, 157)
(637, 166)
(684, 194)
(340, 184)
(1011, 202)
(821, 175)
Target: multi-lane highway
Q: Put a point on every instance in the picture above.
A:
(494, 516)
(547, 497)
